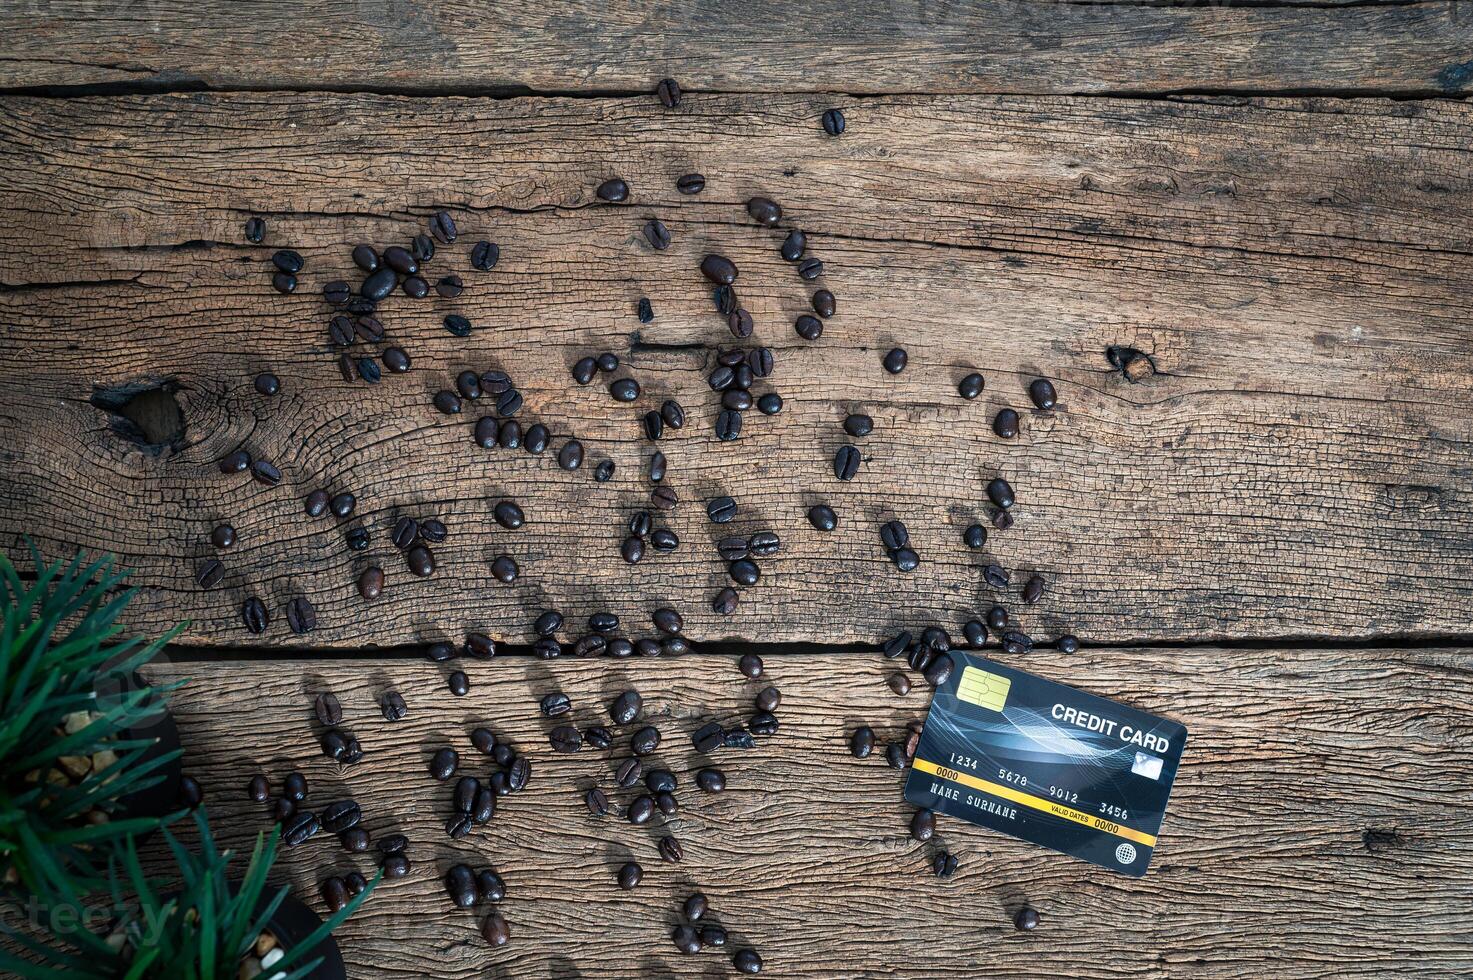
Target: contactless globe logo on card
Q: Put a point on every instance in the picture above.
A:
(1125, 853)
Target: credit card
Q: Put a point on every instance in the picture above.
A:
(1046, 763)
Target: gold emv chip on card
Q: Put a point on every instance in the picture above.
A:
(983, 688)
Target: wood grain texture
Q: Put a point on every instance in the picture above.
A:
(875, 47)
(1297, 465)
(1320, 827)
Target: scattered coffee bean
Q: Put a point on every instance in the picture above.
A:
(1026, 920)
(393, 707)
(570, 457)
(846, 462)
(725, 602)
(211, 572)
(1068, 643)
(504, 569)
(299, 828)
(645, 741)
(536, 439)
(444, 763)
(669, 92)
(792, 246)
(255, 230)
(1005, 424)
(458, 683)
(900, 684)
(690, 183)
(340, 816)
(421, 561)
(971, 386)
(1033, 590)
(711, 780)
(833, 122)
(747, 960)
(719, 269)
(614, 190)
(287, 260)
(565, 738)
(895, 360)
(495, 930)
(858, 425)
(822, 517)
(765, 211)
(975, 536)
(810, 269)
(657, 234)
(630, 875)
(301, 616)
(1000, 493)
(671, 850)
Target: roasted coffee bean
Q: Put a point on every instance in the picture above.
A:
(282, 810)
(379, 284)
(396, 360)
(484, 740)
(770, 403)
(846, 462)
(905, 559)
(422, 248)
(392, 844)
(393, 707)
(668, 92)
(406, 529)
(459, 825)
(536, 438)
(624, 390)
(316, 503)
(604, 471)
(997, 618)
(1005, 424)
(487, 432)
(944, 864)
(449, 287)
(822, 517)
(458, 683)
(416, 288)
(764, 544)
(548, 623)
(833, 122)
(668, 620)
(468, 385)
(719, 269)
(444, 763)
(266, 472)
(971, 386)
(974, 632)
(895, 360)
(1041, 391)
(328, 710)
(340, 330)
(729, 425)
(657, 234)
(432, 530)
(613, 190)
(690, 183)
(765, 211)
(399, 260)
(301, 616)
(663, 539)
(495, 930)
(894, 534)
(810, 269)
(725, 299)
(300, 828)
(759, 359)
(741, 376)
(365, 258)
(395, 866)
(654, 425)
(1026, 920)
(732, 548)
(792, 246)
(721, 378)
(708, 737)
(598, 737)
(1033, 590)
(1002, 520)
(763, 723)
(1015, 642)
(627, 773)
(664, 498)
(294, 787)
(1000, 493)
(629, 875)
(645, 741)
(210, 573)
(342, 505)
(975, 536)
(340, 816)
(369, 370)
(920, 657)
(739, 322)
(640, 523)
(508, 515)
(862, 742)
(421, 561)
(565, 738)
(590, 646)
(460, 885)
(711, 780)
(1068, 643)
(897, 644)
(518, 773)
(504, 569)
(895, 756)
(508, 403)
(674, 646)
(641, 809)
(494, 382)
(859, 425)
(369, 329)
(287, 261)
(603, 622)
(744, 572)
(643, 310)
(768, 699)
(237, 462)
(570, 457)
(485, 255)
(284, 282)
(334, 744)
(725, 602)
(255, 230)
(938, 672)
(267, 384)
(479, 646)
(671, 851)
(936, 638)
(736, 399)
(442, 226)
(448, 402)
(509, 435)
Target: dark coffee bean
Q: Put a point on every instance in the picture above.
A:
(282, 810)
(444, 763)
(284, 282)
(627, 773)
(294, 787)
(808, 327)
(485, 255)
(299, 828)
(422, 248)
(287, 261)
(629, 875)
(895, 756)
(654, 425)
(624, 390)
(664, 540)
(719, 269)
(259, 789)
(421, 561)
(368, 370)
(1033, 590)
(894, 534)
(668, 620)
(744, 572)
(721, 378)
(458, 683)
(237, 462)
(583, 370)
(1014, 642)
(936, 638)
(765, 211)
(460, 885)
(641, 809)
(603, 622)
(1026, 920)
(768, 699)
(1041, 391)
(395, 866)
(1068, 643)
(604, 471)
(664, 498)
(846, 462)
(971, 386)
(1000, 493)
(764, 544)
(416, 288)
(810, 269)
(468, 384)
(484, 740)
(396, 360)
(708, 737)
(509, 435)
(400, 260)
(266, 472)
(732, 548)
(328, 710)
(859, 425)
(536, 438)
(939, 671)
(895, 360)
(824, 306)
(763, 723)
(729, 425)
(896, 645)
(905, 559)
(590, 646)
(267, 384)
(449, 287)
(997, 618)
(1005, 424)
(944, 864)
(447, 402)
(739, 322)
(725, 299)
(613, 190)
(518, 773)
(393, 707)
(833, 122)
(639, 523)
(508, 403)
(480, 646)
(822, 517)
(690, 183)
(711, 780)
(486, 432)
(862, 742)
(565, 738)
(657, 234)
(975, 536)
(508, 515)
(255, 230)
(741, 376)
(686, 939)
(340, 816)
(770, 403)
(459, 825)
(725, 602)
(736, 399)
(365, 258)
(379, 285)
(643, 310)
(645, 741)
(674, 646)
(759, 359)
(570, 457)
(442, 226)
(432, 530)
(342, 505)
(406, 529)
(504, 569)
(301, 616)
(792, 246)
(210, 573)
(340, 330)
(996, 576)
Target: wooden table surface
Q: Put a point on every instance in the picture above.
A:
(1265, 536)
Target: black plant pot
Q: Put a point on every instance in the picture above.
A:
(162, 797)
(294, 922)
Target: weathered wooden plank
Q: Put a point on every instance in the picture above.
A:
(1296, 466)
(873, 47)
(1320, 826)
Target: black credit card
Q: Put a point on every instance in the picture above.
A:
(1046, 763)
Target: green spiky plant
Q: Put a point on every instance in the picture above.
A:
(201, 931)
(60, 641)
